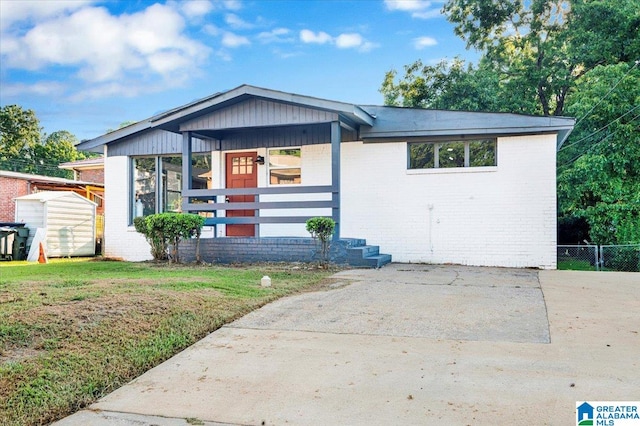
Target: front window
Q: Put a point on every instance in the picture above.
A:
(450, 154)
(157, 182)
(144, 186)
(285, 166)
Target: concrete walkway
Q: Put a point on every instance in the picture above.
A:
(406, 344)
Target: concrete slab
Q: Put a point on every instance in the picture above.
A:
(110, 418)
(268, 375)
(444, 304)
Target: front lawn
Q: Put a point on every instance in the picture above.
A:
(73, 331)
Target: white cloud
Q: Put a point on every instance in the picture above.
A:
(422, 42)
(286, 54)
(46, 88)
(421, 9)
(196, 8)
(232, 4)
(233, 40)
(106, 47)
(308, 36)
(278, 35)
(234, 21)
(342, 41)
(36, 10)
(211, 30)
(346, 41)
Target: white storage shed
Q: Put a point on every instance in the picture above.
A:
(69, 221)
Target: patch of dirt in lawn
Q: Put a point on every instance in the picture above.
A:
(136, 313)
(18, 354)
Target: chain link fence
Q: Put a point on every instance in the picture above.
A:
(600, 258)
(578, 258)
(620, 258)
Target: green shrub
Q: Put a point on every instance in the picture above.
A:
(168, 229)
(625, 259)
(321, 228)
(154, 237)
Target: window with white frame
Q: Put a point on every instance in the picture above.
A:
(449, 154)
(285, 166)
(157, 182)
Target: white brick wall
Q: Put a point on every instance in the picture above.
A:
(120, 239)
(498, 216)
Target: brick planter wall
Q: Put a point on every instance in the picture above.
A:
(269, 249)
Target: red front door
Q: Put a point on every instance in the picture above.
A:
(241, 173)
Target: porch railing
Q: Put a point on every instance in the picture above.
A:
(209, 200)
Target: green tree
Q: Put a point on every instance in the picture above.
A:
(533, 53)
(445, 85)
(20, 131)
(599, 167)
(59, 147)
(545, 46)
(25, 148)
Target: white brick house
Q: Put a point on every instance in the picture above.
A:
(426, 186)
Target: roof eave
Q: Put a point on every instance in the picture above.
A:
(94, 144)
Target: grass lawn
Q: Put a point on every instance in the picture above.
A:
(575, 265)
(72, 331)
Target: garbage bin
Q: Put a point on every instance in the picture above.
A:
(7, 236)
(20, 243)
(13, 241)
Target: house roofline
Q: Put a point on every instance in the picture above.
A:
(448, 123)
(86, 164)
(165, 120)
(46, 179)
(378, 122)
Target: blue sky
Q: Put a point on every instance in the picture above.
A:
(87, 66)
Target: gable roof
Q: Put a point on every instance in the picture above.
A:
(375, 123)
(170, 120)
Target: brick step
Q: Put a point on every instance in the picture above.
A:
(362, 251)
(367, 256)
(376, 261)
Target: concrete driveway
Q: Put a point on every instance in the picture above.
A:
(405, 344)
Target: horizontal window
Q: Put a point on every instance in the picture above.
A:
(285, 166)
(450, 154)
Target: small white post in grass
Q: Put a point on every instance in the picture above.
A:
(265, 281)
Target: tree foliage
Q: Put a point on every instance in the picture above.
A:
(533, 53)
(321, 228)
(445, 85)
(19, 131)
(25, 148)
(599, 168)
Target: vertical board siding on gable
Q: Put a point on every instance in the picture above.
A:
(156, 142)
(258, 113)
(278, 137)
